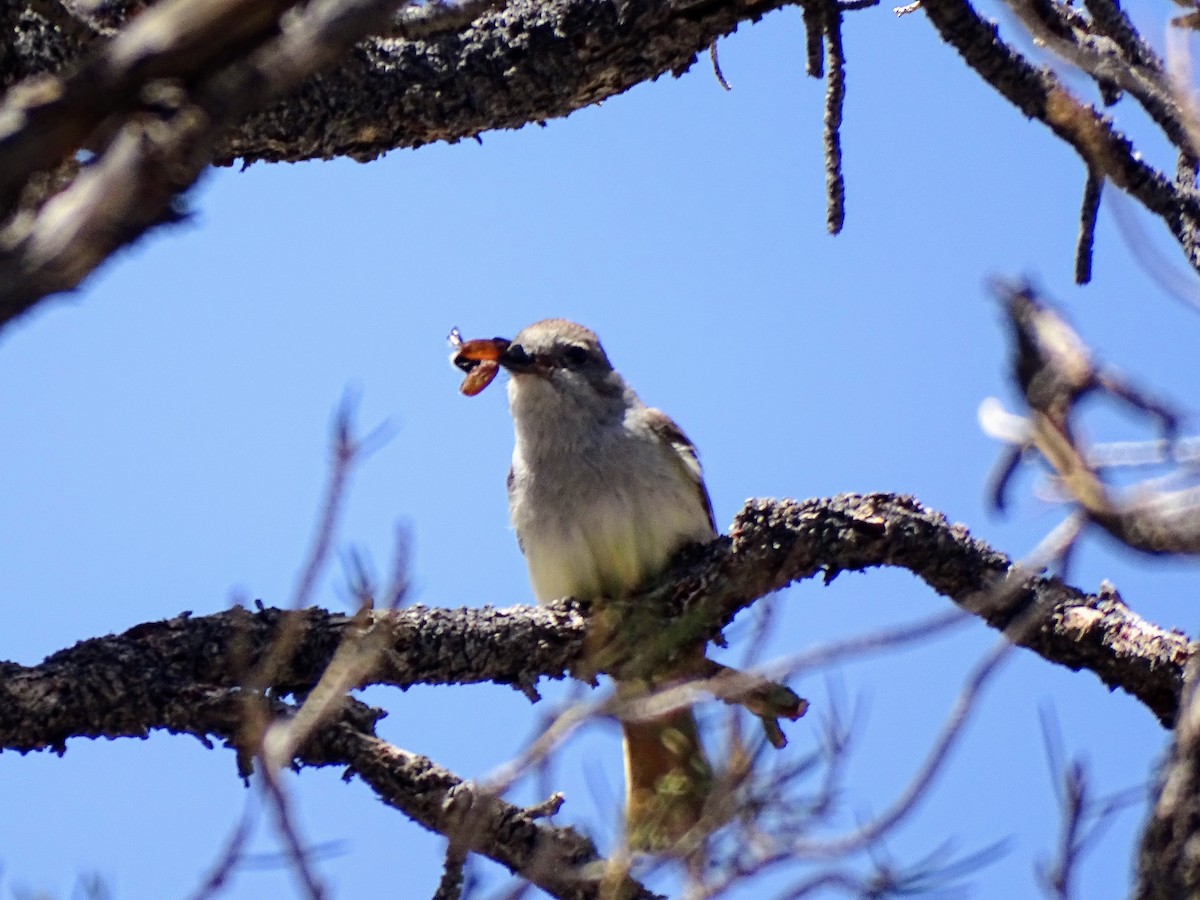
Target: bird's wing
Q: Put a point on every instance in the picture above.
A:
(685, 451)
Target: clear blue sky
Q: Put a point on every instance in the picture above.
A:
(165, 433)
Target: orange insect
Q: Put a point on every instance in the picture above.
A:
(480, 359)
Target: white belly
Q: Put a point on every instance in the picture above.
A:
(619, 544)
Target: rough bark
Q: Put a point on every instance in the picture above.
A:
(524, 61)
(188, 83)
(157, 92)
(121, 686)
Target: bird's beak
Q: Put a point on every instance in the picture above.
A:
(517, 361)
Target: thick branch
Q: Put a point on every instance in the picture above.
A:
(529, 61)
(775, 543)
(559, 860)
(103, 686)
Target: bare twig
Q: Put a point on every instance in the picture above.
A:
(1087, 228)
(286, 825)
(716, 64)
(1083, 815)
(345, 453)
(1054, 370)
(835, 97)
(904, 805)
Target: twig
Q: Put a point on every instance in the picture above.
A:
(450, 886)
(285, 823)
(223, 869)
(716, 64)
(918, 787)
(814, 37)
(1039, 94)
(1087, 228)
(345, 453)
(1083, 816)
(835, 96)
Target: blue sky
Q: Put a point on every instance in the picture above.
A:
(165, 439)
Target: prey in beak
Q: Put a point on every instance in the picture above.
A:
(480, 359)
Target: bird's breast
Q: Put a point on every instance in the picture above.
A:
(605, 526)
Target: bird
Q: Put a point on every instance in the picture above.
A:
(603, 492)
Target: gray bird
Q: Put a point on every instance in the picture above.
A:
(603, 491)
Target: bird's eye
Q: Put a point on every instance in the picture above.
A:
(575, 356)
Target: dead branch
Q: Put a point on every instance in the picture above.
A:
(162, 135)
(155, 98)
(1054, 370)
(557, 859)
(185, 85)
(775, 543)
(1039, 94)
(109, 686)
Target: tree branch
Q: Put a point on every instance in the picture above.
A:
(159, 72)
(110, 686)
(159, 96)
(1038, 94)
(559, 860)
(188, 83)
(775, 543)
(529, 61)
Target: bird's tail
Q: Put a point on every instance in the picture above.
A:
(667, 778)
